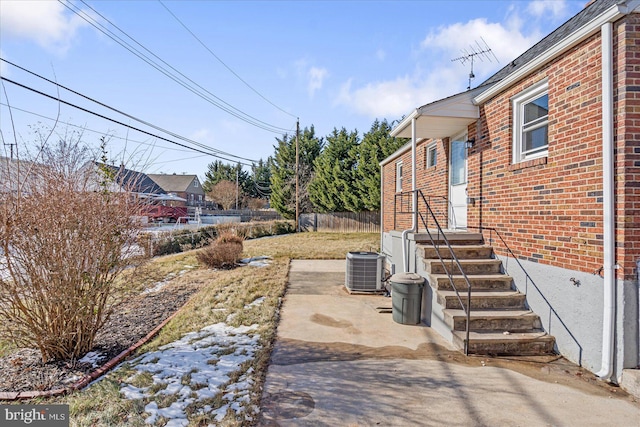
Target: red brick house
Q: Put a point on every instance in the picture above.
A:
(541, 163)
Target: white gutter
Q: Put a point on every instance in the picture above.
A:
(414, 194)
(608, 207)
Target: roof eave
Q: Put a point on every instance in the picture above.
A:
(406, 122)
(400, 151)
(610, 15)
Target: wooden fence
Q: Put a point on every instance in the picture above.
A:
(341, 222)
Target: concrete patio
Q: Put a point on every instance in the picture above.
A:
(340, 360)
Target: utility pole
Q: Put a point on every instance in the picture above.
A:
(297, 174)
(10, 147)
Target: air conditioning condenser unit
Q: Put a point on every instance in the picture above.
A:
(365, 272)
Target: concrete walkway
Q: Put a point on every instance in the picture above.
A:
(340, 360)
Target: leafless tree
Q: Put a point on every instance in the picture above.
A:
(224, 193)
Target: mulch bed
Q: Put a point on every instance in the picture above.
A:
(23, 370)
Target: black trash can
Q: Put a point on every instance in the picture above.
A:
(406, 297)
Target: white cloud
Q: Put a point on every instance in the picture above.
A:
(316, 78)
(542, 8)
(394, 98)
(44, 22)
(506, 41)
(435, 76)
(311, 76)
(381, 54)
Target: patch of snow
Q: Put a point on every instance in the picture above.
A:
(256, 261)
(159, 285)
(132, 250)
(71, 379)
(209, 356)
(92, 358)
(156, 287)
(255, 302)
(131, 392)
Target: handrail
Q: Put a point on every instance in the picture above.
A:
(455, 259)
(406, 200)
(528, 279)
(406, 207)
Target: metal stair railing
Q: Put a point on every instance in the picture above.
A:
(454, 262)
(528, 279)
(403, 204)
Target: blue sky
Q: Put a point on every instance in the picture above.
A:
(333, 64)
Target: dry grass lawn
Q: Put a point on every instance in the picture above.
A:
(224, 293)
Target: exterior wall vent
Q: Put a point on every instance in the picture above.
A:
(364, 271)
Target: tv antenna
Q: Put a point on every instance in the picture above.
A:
(481, 51)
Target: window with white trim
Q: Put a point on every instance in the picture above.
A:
(531, 123)
(431, 155)
(399, 177)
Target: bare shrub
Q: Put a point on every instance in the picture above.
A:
(66, 228)
(224, 252)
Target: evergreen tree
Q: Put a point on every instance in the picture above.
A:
(218, 171)
(283, 165)
(332, 186)
(376, 145)
(261, 177)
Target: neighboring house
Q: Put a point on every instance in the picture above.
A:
(185, 186)
(543, 158)
(12, 173)
(133, 181)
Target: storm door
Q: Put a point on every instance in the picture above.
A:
(458, 183)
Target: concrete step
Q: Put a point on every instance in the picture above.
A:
(493, 320)
(482, 299)
(469, 266)
(454, 238)
(461, 251)
(530, 343)
(477, 282)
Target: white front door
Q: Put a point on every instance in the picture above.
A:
(458, 184)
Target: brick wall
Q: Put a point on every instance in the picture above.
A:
(549, 210)
(627, 113)
(431, 180)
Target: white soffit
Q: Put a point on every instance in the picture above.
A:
(441, 119)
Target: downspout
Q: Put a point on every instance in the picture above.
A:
(608, 207)
(382, 209)
(414, 201)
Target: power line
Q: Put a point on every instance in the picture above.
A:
(118, 122)
(221, 61)
(126, 114)
(197, 90)
(178, 160)
(11, 107)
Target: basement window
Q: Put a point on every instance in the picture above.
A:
(531, 123)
